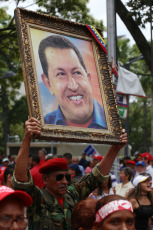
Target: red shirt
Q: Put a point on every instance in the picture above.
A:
(37, 177)
(41, 162)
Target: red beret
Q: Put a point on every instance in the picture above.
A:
(54, 164)
(131, 162)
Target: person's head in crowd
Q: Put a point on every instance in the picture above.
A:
(64, 73)
(83, 155)
(42, 153)
(75, 160)
(11, 158)
(49, 156)
(125, 159)
(83, 215)
(12, 209)
(114, 212)
(74, 170)
(140, 167)
(142, 186)
(55, 176)
(8, 173)
(131, 164)
(90, 166)
(68, 157)
(126, 174)
(35, 160)
(146, 157)
(96, 160)
(107, 184)
(5, 162)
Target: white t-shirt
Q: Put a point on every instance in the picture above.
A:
(123, 190)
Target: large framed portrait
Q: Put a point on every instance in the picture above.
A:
(67, 80)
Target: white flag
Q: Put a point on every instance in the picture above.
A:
(128, 83)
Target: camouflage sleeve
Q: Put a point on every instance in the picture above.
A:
(22, 185)
(90, 182)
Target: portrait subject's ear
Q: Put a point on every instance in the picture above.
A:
(46, 81)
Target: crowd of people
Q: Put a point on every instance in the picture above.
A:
(62, 192)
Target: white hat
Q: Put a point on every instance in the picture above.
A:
(139, 179)
(5, 159)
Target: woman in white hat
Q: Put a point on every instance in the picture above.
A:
(142, 201)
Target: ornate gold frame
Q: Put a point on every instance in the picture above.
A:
(25, 19)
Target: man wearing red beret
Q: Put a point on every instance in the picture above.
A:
(52, 206)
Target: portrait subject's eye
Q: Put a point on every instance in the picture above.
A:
(77, 73)
(60, 74)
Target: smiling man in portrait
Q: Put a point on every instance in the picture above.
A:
(65, 75)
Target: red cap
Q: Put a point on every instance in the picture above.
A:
(98, 157)
(145, 155)
(22, 196)
(131, 162)
(54, 164)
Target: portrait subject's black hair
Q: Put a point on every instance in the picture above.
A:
(56, 41)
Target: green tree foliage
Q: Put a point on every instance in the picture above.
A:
(9, 61)
(139, 120)
(132, 23)
(73, 10)
(140, 125)
(140, 11)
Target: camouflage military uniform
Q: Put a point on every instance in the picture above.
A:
(46, 212)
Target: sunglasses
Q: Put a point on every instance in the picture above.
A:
(60, 177)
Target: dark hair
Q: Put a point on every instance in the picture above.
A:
(44, 151)
(100, 190)
(128, 172)
(136, 191)
(56, 41)
(9, 170)
(67, 155)
(105, 200)
(36, 158)
(83, 214)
